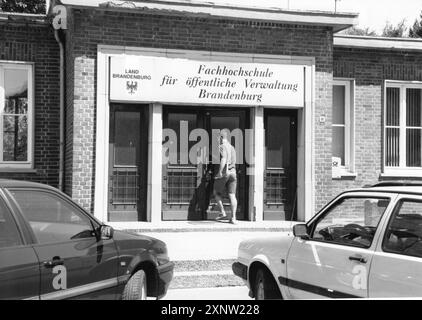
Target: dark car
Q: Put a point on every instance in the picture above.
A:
(50, 248)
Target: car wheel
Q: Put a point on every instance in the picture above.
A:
(136, 287)
(265, 286)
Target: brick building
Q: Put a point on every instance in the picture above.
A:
(315, 112)
(29, 52)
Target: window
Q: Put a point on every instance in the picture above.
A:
(9, 234)
(404, 232)
(403, 128)
(16, 113)
(52, 218)
(342, 128)
(351, 221)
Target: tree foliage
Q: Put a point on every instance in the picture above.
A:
(23, 6)
(415, 31)
(355, 31)
(397, 31)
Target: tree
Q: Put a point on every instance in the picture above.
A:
(398, 31)
(416, 30)
(355, 31)
(23, 6)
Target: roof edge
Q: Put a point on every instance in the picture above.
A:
(338, 21)
(19, 18)
(380, 43)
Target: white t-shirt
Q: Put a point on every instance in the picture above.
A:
(228, 152)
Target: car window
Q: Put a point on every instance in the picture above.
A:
(351, 221)
(9, 233)
(52, 218)
(404, 231)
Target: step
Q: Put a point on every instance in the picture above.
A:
(206, 226)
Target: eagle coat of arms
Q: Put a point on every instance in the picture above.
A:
(131, 86)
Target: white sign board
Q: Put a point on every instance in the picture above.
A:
(175, 80)
(336, 167)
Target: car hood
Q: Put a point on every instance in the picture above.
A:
(130, 240)
(277, 243)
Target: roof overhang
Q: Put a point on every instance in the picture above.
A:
(23, 18)
(338, 21)
(380, 43)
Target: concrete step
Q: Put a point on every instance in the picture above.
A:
(185, 246)
(209, 226)
(204, 274)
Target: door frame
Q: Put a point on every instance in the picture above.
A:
(306, 132)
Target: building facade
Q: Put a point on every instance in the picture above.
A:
(148, 85)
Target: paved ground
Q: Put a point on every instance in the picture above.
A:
(225, 293)
(212, 245)
(203, 258)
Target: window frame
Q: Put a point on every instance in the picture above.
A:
(9, 211)
(392, 215)
(348, 168)
(28, 66)
(313, 223)
(94, 222)
(402, 170)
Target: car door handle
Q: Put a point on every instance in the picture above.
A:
(358, 258)
(56, 261)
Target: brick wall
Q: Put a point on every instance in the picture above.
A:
(370, 68)
(90, 28)
(36, 43)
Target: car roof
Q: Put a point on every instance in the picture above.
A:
(392, 189)
(7, 183)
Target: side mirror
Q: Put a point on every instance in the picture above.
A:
(301, 231)
(106, 232)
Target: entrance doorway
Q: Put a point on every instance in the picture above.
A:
(188, 185)
(128, 163)
(280, 176)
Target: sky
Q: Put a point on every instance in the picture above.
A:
(372, 13)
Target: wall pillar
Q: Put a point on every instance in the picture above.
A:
(155, 137)
(258, 168)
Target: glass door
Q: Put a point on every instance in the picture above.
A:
(128, 163)
(235, 121)
(189, 170)
(183, 183)
(280, 165)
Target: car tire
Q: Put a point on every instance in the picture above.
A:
(136, 287)
(265, 286)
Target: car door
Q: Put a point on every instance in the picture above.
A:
(74, 262)
(334, 262)
(396, 269)
(19, 270)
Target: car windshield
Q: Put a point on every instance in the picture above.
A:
(352, 221)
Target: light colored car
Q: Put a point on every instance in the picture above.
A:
(365, 243)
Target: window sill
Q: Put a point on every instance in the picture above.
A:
(18, 170)
(402, 174)
(345, 175)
